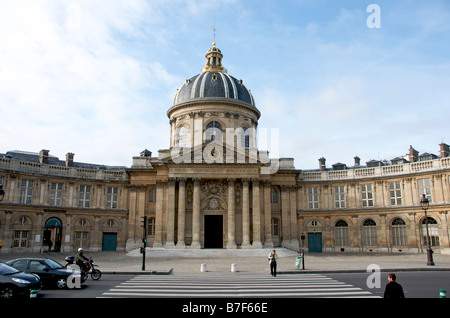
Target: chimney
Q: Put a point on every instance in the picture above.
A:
(43, 156)
(444, 150)
(357, 161)
(413, 154)
(69, 159)
(322, 164)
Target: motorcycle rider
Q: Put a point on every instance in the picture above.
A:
(81, 259)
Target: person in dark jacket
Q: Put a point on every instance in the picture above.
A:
(393, 289)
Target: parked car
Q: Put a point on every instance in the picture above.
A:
(15, 283)
(50, 271)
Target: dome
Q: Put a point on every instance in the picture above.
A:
(213, 86)
(213, 83)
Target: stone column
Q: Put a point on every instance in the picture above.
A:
(196, 215)
(231, 243)
(267, 216)
(170, 242)
(256, 215)
(181, 212)
(159, 214)
(285, 217)
(293, 209)
(131, 233)
(245, 214)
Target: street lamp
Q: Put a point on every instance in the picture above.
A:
(425, 204)
(2, 193)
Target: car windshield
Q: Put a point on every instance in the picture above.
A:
(7, 270)
(53, 264)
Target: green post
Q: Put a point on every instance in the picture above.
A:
(442, 293)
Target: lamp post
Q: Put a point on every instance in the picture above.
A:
(2, 193)
(425, 204)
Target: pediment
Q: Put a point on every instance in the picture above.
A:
(218, 153)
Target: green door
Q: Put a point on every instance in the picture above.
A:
(315, 242)
(109, 241)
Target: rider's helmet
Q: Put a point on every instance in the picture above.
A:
(80, 249)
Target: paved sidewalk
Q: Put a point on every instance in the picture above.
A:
(174, 261)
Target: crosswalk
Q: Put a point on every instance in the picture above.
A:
(227, 285)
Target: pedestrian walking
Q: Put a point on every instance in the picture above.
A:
(393, 289)
(273, 263)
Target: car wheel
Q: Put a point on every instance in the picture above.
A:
(61, 283)
(7, 292)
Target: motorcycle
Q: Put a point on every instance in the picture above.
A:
(86, 268)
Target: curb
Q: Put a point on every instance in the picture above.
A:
(146, 272)
(287, 272)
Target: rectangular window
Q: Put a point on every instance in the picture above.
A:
(85, 196)
(26, 191)
(56, 193)
(151, 226)
(273, 195)
(111, 198)
(395, 193)
(82, 239)
(275, 225)
(366, 195)
(313, 198)
(20, 239)
(424, 188)
(152, 195)
(339, 197)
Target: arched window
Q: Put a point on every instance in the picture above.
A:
(341, 233)
(213, 131)
(399, 235)
(245, 138)
(182, 137)
(433, 230)
(369, 231)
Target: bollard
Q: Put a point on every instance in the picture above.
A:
(233, 267)
(203, 268)
(442, 293)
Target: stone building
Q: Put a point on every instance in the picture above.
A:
(213, 188)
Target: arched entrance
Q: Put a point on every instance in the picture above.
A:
(53, 234)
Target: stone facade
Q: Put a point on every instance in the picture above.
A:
(213, 188)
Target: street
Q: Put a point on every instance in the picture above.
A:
(424, 284)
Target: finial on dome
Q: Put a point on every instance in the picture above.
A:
(213, 60)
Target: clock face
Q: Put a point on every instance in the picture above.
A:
(214, 154)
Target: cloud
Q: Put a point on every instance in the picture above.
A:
(67, 82)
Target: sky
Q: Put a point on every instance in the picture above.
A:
(96, 77)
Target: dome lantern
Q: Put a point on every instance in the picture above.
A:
(213, 60)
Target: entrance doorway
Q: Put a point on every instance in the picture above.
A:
(213, 231)
(53, 234)
(315, 242)
(109, 242)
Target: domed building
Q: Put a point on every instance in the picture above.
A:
(214, 188)
(214, 184)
